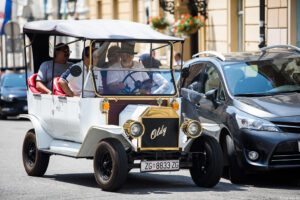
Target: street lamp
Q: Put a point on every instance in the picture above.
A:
(167, 5)
(71, 5)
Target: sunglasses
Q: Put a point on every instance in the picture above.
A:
(66, 51)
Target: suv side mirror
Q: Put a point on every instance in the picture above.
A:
(191, 95)
(185, 72)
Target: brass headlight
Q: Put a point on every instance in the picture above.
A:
(192, 128)
(133, 128)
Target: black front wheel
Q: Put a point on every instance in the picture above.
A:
(3, 117)
(110, 165)
(34, 161)
(207, 163)
(236, 173)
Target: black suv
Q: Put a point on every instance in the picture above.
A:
(13, 99)
(251, 103)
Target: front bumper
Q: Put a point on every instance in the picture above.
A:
(185, 158)
(13, 108)
(277, 150)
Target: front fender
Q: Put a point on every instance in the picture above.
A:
(43, 139)
(96, 134)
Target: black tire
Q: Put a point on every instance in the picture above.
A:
(207, 172)
(110, 165)
(34, 161)
(3, 117)
(235, 172)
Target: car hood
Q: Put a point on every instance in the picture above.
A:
(284, 105)
(14, 91)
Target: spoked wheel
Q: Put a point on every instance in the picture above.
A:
(34, 161)
(105, 162)
(208, 163)
(110, 165)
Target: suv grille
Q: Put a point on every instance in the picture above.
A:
(291, 127)
(286, 153)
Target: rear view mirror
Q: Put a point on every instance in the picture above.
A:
(191, 95)
(211, 94)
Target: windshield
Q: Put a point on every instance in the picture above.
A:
(14, 80)
(134, 82)
(262, 78)
(129, 68)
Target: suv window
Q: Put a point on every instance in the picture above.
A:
(194, 72)
(213, 80)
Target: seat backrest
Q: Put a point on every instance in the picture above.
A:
(31, 81)
(56, 88)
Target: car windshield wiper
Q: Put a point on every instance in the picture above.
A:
(288, 91)
(252, 94)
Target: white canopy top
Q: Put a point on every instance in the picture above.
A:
(98, 29)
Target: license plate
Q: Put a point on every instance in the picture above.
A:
(159, 165)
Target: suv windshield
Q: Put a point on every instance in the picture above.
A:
(14, 80)
(131, 68)
(261, 78)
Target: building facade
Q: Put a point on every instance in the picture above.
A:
(232, 25)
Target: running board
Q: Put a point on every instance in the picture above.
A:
(65, 148)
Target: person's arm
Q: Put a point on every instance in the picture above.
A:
(41, 79)
(42, 88)
(65, 87)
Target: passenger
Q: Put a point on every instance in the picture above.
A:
(71, 80)
(61, 64)
(113, 56)
(149, 62)
(116, 79)
(178, 58)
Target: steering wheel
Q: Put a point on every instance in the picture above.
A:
(137, 84)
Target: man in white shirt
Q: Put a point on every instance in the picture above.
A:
(71, 80)
(130, 81)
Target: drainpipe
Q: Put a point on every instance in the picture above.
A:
(262, 29)
(194, 37)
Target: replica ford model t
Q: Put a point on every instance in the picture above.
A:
(121, 106)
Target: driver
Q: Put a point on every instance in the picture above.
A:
(115, 78)
(127, 81)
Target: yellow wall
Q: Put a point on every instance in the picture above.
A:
(217, 29)
(220, 33)
(277, 24)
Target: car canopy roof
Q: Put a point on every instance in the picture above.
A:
(98, 30)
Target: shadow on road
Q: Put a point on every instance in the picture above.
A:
(289, 180)
(146, 183)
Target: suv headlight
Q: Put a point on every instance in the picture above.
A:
(246, 121)
(192, 128)
(133, 128)
(7, 98)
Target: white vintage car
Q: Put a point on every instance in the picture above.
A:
(125, 116)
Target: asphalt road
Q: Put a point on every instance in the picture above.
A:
(68, 178)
